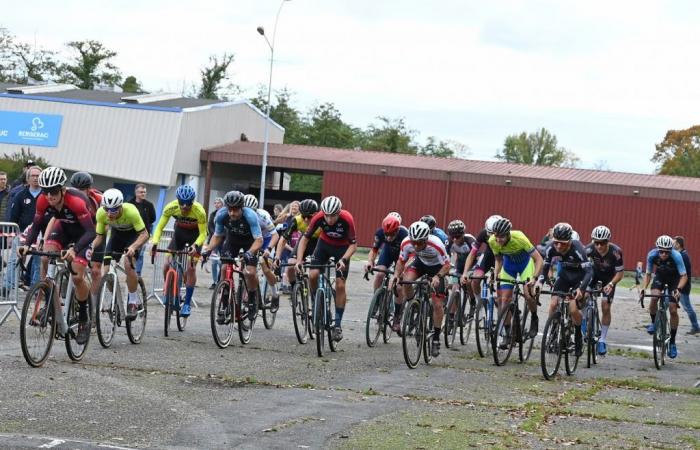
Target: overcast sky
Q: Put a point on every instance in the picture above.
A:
(608, 78)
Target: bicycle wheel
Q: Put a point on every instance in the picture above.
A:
(220, 316)
(168, 301)
(591, 341)
(469, 308)
(106, 317)
(526, 342)
(659, 340)
(411, 333)
(244, 325)
(180, 320)
(330, 321)
(482, 328)
(428, 331)
(502, 340)
(550, 350)
(319, 320)
(570, 358)
(75, 351)
(309, 311)
(375, 317)
(300, 315)
(136, 328)
(37, 325)
(388, 315)
(452, 318)
(268, 315)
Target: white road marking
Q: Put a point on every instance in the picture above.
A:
(53, 443)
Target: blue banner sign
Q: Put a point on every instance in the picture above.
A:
(30, 129)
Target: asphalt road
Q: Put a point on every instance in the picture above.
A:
(184, 392)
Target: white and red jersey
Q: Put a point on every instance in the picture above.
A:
(434, 253)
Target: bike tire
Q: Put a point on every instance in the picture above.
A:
(319, 320)
(106, 317)
(452, 323)
(468, 311)
(168, 302)
(570, 358)
(659, 341)
(375, 317)
(221, 300)
(75, 351)
(136, 327)
(40, 335)
(389, 312)
(180, 320)
(244, 325)
(551, 348)
(501, 338)
(330, 322)
(590, 338)
(411, 333)
(300, 314)
(268, 316)
(482, 329)
(526, 342)
(428, 331)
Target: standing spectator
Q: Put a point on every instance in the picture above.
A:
(22, 178)
(148, 215)
(4, 196)
(638, 272)
(277, 210)
(679, 244)
(215, 262)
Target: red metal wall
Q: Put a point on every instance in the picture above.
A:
(635, 221)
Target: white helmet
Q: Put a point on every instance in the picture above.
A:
(575, 236)
(52, 177)
(490, 221)
(112, 198)
(419, 231)
(395, 214)
(250, 201)
(601, 233)
(331, 205)
(664, 242)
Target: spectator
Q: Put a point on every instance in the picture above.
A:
(277, 210)
(638, 272)
(4, 195)
(22, 179)
(679, 244)
(148, 215)
(215, 262)
(289, 211)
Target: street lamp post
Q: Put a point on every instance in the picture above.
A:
(261, 30)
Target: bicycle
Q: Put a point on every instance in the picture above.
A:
(50, 311)
(302, 316)
(592, 318)
(485, 320)
(417, 328)
(172, 286)
(464, 314)
(265, 304)
(224, 310)
(324, 307)
(662, 337)
(112, 308)
(513, 327)
(381, 309)
(558, 338)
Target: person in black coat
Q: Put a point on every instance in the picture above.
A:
(148, 214)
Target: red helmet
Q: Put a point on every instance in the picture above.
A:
(390, 224)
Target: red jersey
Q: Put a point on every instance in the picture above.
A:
(341, 233)
(74, 216)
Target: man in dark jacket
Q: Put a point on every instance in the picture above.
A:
(679, 244)
(148, 214)
(4, 196)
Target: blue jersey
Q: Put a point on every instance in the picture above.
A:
(267, 226)
(243, 229)
(442, 235)
(380, 239)
(672, 267)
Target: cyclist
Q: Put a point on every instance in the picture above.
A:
(299, 224)
(270, 238)
(460, 246)
(240, 227)
(668, 268)
(608, 269)
(72, 224)
(387, 243)
(337, 240)
(424, 254)
(515, 254)
(434, 230)
(190, 230)
(482, 254)
(575, 271)
(127, 232)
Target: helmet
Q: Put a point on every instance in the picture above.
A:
(601, 233)
(418, 231)
(575, 236)
(52, 177)
(112, 198)
(234, 199)
(562, 231)
(185, 193)
(501, 226)
(430, 220)
(250, 201)
(664, 242)
(331, 205)
(490, 221)
(81, 180)
(455, 228)
(308, 207)
(395, 214)
(390, 224)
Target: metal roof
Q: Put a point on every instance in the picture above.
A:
(474, 171)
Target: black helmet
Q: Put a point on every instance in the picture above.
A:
(234, 199)
(502, 226)
(455, 228)
(562, 231)
(308, 207)
(430, 220)
(81, 180)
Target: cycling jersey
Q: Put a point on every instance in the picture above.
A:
(246, 228)
(441, 234)
(672, 267)
(516, 257)
(298, 224)
(95, 197)
(480, 242)
(73, 219)
(194, 219)
(341, 233)
(463, 249)
(128, 220)
(606, 266)
(395, 244)
(574, 262)
(433, 254)
(267, 226)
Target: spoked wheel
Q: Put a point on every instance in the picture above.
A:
(330, 322)
(375, 317)
(136, 327)
(244, 324)
(300, 314)
(106, 317)
(75, 351)
(180, 320)
(659, 341)
(591, 337)
(502, 341)
(483, 328)
(388, 315)
(168, 302)
(550, 351)
(526, 342)
(570, 358)
(221, 315)
(469, 308)
(452, 318)
(268, 315)
(319, 320)
(411, 333)
(428, 331)
(37, 326)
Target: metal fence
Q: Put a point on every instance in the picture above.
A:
(160, 260)
(9, 271)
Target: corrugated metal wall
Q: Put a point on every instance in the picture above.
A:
(634, 221)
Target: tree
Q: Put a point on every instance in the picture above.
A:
(213, 75)
(324, 127)
(7, 61)
(538, 149)
(283, 113)
(14, 164)
(392, 136)
(131, 84)
(91, 66)
(679, 153)
(35, 64)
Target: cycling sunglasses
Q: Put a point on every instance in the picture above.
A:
(185, 204)
(600, 243)
(113, 210)
(52, 190)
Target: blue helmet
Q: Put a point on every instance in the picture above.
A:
(185, 194)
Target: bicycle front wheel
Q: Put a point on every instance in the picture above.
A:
(106, 317)
(570, 357)
(452, 318)
(168, 301)
(75, 351)
(469, 308)
(37, 325)
(483, 328)
(659, 340)
(319, 320)
(591, 340)
(220, 314)
(136, 327)
(411, 333)
(550, 351)
(268, 316)
(375, 317)
(330, 321)
(502, 341)
(300, 315)
(244, 324)
(389, 311)
(428, 330)
(526, 342)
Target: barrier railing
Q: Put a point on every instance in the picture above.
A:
(10, 271)
(157, 285)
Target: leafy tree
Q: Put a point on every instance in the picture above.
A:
(538, 149)
(7, 61)
(35, 64)
(214, 74)
(679, 153)
(14, 164)
(91, 65)
(436, 148)
(283, 113)
(306, 182)
(324, 127)
(131, 84)
(392, 136)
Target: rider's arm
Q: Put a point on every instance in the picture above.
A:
(162, 222)
(349, 252)
(301, 248)
(202, 225)
(274, 240)
(497, 266)
(281, 242)
(539, 262)
(140, 239)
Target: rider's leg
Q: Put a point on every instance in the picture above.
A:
(606, 307)
(673, 309)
